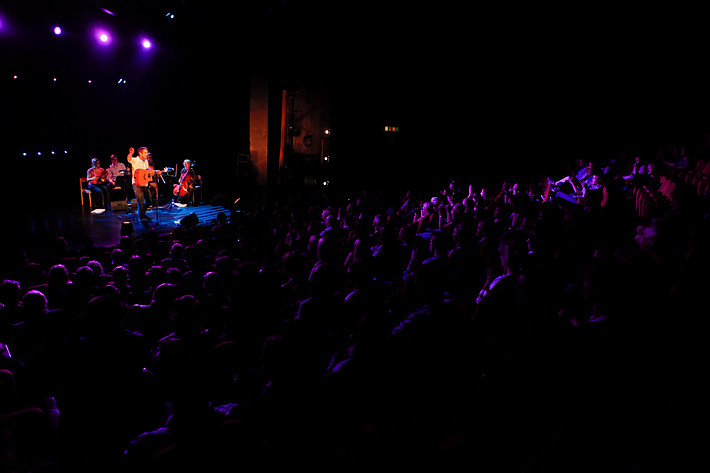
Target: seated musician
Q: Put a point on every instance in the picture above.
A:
(96, 178)
(182, 191)
(117, 176)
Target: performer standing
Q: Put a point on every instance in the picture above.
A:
(97, 181)
(140, 179)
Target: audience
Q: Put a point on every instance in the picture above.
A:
(512, 333)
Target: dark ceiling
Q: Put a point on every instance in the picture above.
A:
(521, 83)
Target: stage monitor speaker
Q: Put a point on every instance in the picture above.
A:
(189, 220)
(127, 229)
(119, 205)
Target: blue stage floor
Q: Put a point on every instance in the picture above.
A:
(41, 227)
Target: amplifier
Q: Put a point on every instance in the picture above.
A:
(119, 205)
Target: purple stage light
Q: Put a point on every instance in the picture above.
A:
(146, 43)
(103, 36)
(57, 30)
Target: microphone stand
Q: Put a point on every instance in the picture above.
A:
(157, 204)
(157, 200)
(194, 180)
(172, 195)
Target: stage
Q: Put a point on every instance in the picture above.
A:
(73, 222)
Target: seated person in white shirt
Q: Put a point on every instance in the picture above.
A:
(117, 175)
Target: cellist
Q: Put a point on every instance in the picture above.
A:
(183, 189)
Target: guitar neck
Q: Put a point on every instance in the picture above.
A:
(145, 176)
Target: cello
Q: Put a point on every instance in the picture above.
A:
(185, 185)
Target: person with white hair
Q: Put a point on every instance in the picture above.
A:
(182, 191)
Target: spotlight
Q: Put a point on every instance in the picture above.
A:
(103, 37)
(57, 30)
(146, 44)
(327, 131)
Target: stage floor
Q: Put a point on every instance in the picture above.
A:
(43, 225)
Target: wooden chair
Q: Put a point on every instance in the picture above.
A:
(84, 187)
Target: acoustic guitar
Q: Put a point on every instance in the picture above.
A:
(99, 178)
(144, 177)
(96, 180)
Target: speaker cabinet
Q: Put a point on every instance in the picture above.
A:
(189, 220)
(119, 205)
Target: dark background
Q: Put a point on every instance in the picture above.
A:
(481, 92)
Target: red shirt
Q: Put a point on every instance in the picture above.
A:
(94, 175)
